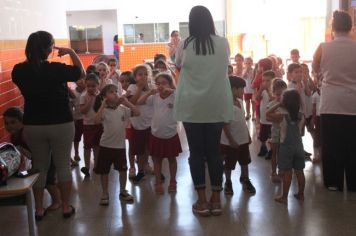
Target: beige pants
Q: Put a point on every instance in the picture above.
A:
(46, 141)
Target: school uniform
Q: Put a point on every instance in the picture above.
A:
(265, 130)
(77, 115)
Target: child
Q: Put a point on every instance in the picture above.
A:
(164, 140)
(235, 140)
(103, 71)
(126, 78)
(278, 87)
(265, 95)
(294, 56)
(239, 61)
(77, 116)
(291, 151)
(140, 126)
(112, 143)
(91, 131)
(13, 124)
(114, 74)
(316, 122)
(248, 76)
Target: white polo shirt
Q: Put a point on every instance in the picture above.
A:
(89, 117)
(263, 108)
(77, 115)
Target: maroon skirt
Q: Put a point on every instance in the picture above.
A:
(165, 148)
(139, 141)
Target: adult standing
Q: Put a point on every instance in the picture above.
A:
(335, 60)
(204, 102)
(49, 128)
(173, 44)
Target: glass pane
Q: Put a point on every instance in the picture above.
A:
(148, 33)
(129, 33)
(184, 29)
(95, 39)
(162, 32)
(77, 38)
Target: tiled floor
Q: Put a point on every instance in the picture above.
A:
(322, 213)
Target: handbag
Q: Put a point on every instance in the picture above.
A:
(10, 160)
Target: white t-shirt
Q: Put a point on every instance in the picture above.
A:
(316, 101)
(115, 80)
(263, 108)
(303, 97)
(163, 124)
(248, 77)
(143, 121)
(89, 117)
(77, 115)
(238, 127)
(114, 122)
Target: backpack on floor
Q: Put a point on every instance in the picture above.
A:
(10, 161)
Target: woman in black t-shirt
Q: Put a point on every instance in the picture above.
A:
(48, 121)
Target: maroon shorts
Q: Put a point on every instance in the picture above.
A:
(247, 96)
(128, 132)
(234, 155)
(317, 137)
(139, 141)
(79, 129)
(108, 157)
(165, 148)
(92, 135)
(265, 132)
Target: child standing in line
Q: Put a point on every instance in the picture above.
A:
(114, 118)
(291, 151)
(103, 71)
(91, 131)
(235, 141)
(278, 87)
(77, 116)
(239, 61)
(265, 95)
(248, 76)
(141, 125)
(164, 140)
(114, 74)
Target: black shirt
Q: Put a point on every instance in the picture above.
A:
(45, 91)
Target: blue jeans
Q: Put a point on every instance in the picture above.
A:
(204, 146)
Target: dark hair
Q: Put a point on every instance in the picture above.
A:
(116, 38)
(230, 66)
(100, 97)
(159, 56)
(129, 75)
(342, 21)
(173, 32)
(160, 62)
(91, 69)
(278, 84)
(269, 73)
(240, 56)
(201, 27)
(291, 102)
(37, 47)
(14, 112)
(237, 82)
(265, 63)
(149, 64)
(92, 77)
(293, 66)
(112, 60)
(294, 52)
(167, 77)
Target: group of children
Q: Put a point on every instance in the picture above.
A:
(110, 107)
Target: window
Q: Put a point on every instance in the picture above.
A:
(146, 33)
(184, 28)
(86, 39)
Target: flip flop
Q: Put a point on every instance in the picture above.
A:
(40, 217)
(69, 214)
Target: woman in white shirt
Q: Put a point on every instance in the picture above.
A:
(204, 102)
(335, 60)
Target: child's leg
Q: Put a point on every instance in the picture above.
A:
(227, 175)
(244, 171)
(287, 179)
(123, 180)
(87, 153)
(172, 169)
(95, 152)
(157, 164)
(248, 105)
(76, 150)
(105, 184)
(301, 184)
(274, 158)
(132, 160)
(142, 162)
(253, 108)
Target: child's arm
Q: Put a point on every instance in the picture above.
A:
(259, 93)
(133, 99)
(229, 136)
(99, 114)
(307, 90)
(142, 99)
(134, 110)
(272, 115)
(84, 108)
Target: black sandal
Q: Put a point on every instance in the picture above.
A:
(69, 214)
(40, 217)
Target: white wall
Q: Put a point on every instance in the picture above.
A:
(106, 18)
(19, 18)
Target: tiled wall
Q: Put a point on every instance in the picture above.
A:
(11, 53)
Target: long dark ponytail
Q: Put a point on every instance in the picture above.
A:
(38, 47)
(201, 27)
(291, 101)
